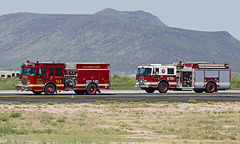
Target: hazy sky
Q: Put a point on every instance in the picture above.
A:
(202, 15)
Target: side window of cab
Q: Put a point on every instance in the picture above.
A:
(58, 72)
(157, 71)
(41, 72)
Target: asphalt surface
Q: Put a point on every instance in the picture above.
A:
(12, 96)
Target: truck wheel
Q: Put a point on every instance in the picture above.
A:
(91, 89)
(211, 87)
(49, 89)
(37, 92)
(79, 92)
(150, 90)
(198, 90)
(163, 87)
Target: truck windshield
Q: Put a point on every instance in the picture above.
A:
(144, 71)
(28, 71)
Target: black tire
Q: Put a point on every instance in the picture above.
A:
(210, 87)
(49, 89)
(198, 90)
(149, 90)
(80, 92)
(163, 87)
(37, 92)
(91, 89)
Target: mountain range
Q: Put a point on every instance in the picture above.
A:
(125, 39)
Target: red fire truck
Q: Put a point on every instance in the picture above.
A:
(196, 76)
(52, 77)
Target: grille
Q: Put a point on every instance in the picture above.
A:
(141, 80)
(24, 81)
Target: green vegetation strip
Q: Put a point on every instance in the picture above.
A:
(8, 83)
(235, 82)
(117, 82)
(128, 122)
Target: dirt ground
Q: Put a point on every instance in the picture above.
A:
(131, 122)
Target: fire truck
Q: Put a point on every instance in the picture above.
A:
(196, 76)
(50, 77)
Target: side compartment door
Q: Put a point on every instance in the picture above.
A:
(224, 79)
(92, 76)
(199, 78)
(104, 79)
(81, 79)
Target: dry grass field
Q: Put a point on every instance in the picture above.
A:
(113, 122)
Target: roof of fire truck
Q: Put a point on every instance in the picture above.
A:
(40, 63)
(199, 65)
(156, 66)
(68, 64)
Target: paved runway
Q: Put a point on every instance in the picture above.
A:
(120, 96)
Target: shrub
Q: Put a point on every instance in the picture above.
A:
(50, 103)
(61, 120)
(15, 115)
(8, 83)
(122, 82)
(232, 137)
(4, 117)
(6, 130)
(193, 101)
(235, 82)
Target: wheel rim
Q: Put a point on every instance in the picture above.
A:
(211, 87)
(92, 89)
(50, 89)
(163, 87)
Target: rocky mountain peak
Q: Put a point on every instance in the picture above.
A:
(130, 16)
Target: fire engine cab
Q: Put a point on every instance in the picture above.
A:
(196, 76)
(52, 77)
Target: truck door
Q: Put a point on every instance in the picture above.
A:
(56, 75)
(155, 78)
(41, 76)
(42, 73)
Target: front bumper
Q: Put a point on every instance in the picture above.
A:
(23, 87)
(141, 86)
